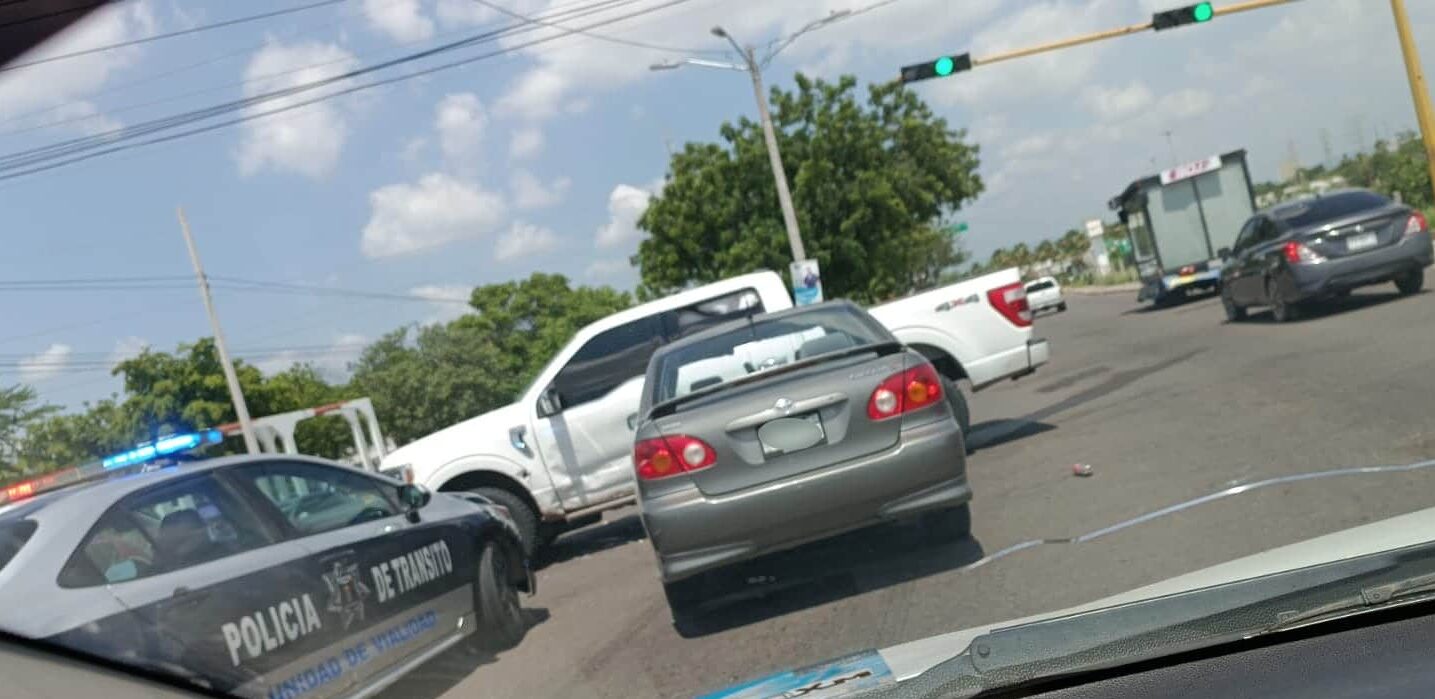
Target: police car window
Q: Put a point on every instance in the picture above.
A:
(317, 499)
(165, 529)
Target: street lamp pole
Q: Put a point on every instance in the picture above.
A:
(753, 68)
(784, 195)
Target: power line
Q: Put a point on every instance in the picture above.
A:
(59, 149)
(240, 284)
(124, 86)
(24, 159)
(175, 282)
(594, 35)
(170, 35)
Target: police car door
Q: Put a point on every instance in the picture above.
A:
(389, 589)
(210, 581)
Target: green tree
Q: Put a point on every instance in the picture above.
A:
(1073, 246)
(1021, 256)
(869, 178)
(1046, 252)
(19, 411)
(71, 439)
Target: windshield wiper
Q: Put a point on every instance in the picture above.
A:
(1420, 588)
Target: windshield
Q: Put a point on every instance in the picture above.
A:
(644, 348)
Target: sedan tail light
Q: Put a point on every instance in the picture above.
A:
(1415, 224)
(1010, 301)
(904, 392)
(1297, 253)
(661, 457)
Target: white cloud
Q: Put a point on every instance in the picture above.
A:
(437, 209)
(626, 204)
(524, 240)
(527, 142)
(308, 140)
(460, 122)
(127, 348)
(1117, 102)
(1033, 145)
(1185, 104)
(47, 363)
(601, 270)
(450, 300)
(402, 20)
(49, 85)
(530, 193)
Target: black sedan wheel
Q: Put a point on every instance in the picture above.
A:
(1234, 312)
(1281, 309)
(500, 617)
(1410, 282)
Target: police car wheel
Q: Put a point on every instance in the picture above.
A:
(500, 618)
(523, 516)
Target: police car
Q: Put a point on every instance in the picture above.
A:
(275, 576)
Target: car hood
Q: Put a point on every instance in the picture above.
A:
(483, 434)
(908, 660)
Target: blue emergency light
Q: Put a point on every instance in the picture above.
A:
(161, 447)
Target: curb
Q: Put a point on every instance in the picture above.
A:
(1103, 290)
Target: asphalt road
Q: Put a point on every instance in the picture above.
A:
(1165, 405)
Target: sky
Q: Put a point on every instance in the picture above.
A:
(543, 157)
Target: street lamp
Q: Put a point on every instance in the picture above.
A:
(754, 70)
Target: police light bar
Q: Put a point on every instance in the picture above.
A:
(161, 447)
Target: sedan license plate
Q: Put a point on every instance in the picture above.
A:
(1360, 242)
(786, 435)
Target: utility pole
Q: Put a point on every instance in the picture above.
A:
(1171, 145)
(1424, 115)
(784, 196)
(235, 392)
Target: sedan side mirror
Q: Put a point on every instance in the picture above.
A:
(414, 497)
(549, 402)
(1224, 253)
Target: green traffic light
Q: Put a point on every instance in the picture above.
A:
(944, 65)
(1202, 12)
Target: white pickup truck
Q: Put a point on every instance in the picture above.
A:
(561, 454)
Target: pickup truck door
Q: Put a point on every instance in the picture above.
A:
(587, 445)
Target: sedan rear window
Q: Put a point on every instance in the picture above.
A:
(761, 345)
(1309, 212)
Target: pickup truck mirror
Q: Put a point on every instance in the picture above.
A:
(1224, 253)
(549, 402)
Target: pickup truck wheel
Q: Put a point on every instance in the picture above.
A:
(958, 401)
(523, 516)
(495, 600)
(1410, 282)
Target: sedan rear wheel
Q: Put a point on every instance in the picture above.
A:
(1281, 309)
(1410, 282)
(500, 616)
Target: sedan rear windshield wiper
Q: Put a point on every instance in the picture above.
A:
(670, 405)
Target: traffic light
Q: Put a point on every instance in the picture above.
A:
(1190, 14)
(939, 68)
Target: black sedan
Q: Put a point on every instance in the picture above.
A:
(1323, 247)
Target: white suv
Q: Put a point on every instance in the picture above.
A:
(1044, 294)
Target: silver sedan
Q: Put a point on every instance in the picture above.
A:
(766, 433)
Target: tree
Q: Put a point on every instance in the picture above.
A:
(18, 412)
(870, 178)
(481, 361)
(1046, 252)
(1073, 246)
(71, 439)
(1021, 256)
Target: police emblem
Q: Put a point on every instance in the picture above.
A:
(347, 592)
